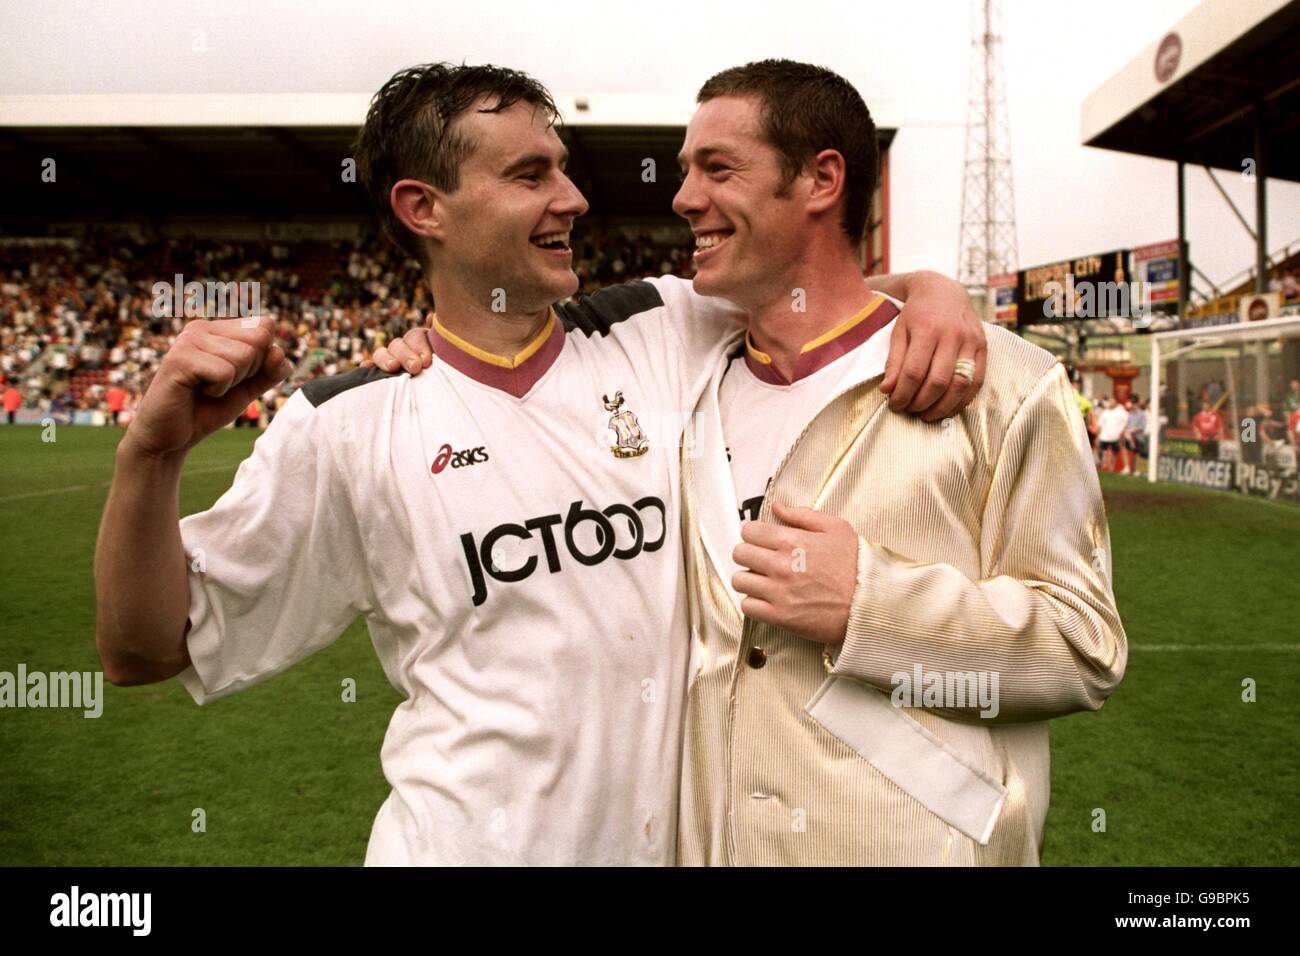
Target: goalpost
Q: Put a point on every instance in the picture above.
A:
(1237, 377)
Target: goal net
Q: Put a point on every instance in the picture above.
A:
(1226, 407)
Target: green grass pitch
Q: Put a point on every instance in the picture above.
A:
(287, 773)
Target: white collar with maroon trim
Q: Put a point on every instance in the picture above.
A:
(514, 376)
(827, 347)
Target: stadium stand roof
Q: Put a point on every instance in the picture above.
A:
(1220, 89)
(1193, 94)
(280, 155)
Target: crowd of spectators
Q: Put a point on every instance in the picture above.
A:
(601, 261)
(81, 328)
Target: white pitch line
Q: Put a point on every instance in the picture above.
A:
(1214, 647)
(42, 494)
(71, 488)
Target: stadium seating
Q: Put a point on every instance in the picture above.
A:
(77, 315)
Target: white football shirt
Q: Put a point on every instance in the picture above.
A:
(510, 531)
(763, 416)
(1113, 422)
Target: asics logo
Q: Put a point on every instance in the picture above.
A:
(458, 459)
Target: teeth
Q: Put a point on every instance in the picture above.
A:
(710, 240)
(561, 237)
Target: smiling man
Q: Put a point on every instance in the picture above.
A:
(520, 581)
(508, 523)
(971, 552)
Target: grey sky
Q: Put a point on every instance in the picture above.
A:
(1069, 200)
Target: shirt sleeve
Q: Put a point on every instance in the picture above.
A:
(1042, 617)
(698, 325)
(672, 323)
(276, 566)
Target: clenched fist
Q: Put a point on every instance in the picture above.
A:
(212, 372)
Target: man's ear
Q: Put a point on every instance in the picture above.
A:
(826, 180)
(418, 207)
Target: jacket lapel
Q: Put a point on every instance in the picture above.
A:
(805, 475)
(806, 470)
(714, 489)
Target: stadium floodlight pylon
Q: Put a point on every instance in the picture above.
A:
(1249, 359)
(987, 245)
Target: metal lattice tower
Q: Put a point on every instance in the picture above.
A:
(988, 203)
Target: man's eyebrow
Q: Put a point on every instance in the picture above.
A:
(703, 155)
(534, 159)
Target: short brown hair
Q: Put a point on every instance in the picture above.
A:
(410, 131)
(804, 110)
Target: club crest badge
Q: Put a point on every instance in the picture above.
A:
(632, 442)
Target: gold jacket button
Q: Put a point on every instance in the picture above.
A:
(757, 657)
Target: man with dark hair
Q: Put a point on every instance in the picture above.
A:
(520, 570)
(970, 555)
(416, 123)
(803, 110)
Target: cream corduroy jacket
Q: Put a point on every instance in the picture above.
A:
(983, 550)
